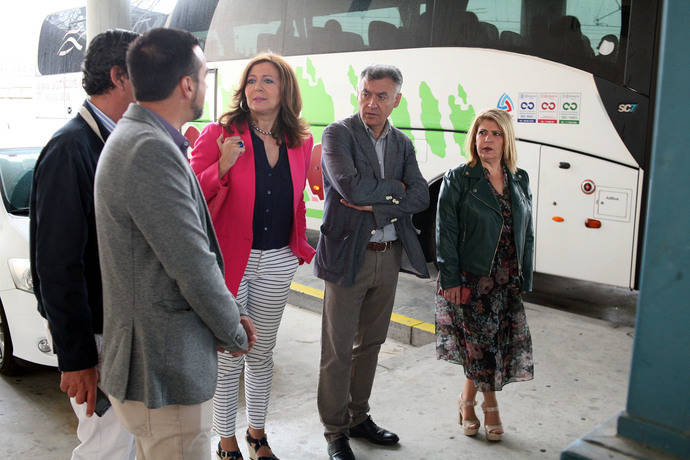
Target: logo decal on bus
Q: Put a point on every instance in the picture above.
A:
(569, 113)
(527, 107)
(71, 42)
(547, 108)
(505, 103)
(627, 108)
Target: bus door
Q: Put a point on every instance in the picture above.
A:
(586, 217)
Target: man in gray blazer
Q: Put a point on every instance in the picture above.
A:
(165, 305)
(373, 187)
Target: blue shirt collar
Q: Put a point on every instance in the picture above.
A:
(105, 120)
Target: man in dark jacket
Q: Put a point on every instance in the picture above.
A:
(373, 187)
(64, 253)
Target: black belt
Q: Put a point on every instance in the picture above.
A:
(378, 247)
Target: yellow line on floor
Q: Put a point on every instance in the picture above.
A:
(395, 317)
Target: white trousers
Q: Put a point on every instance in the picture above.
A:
(101, 438)
(263, 294)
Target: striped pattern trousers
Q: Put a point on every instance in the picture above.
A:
(262, 295)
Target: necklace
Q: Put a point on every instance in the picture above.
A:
(265, 133)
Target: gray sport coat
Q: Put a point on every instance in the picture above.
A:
(351, 171)
(165, 303)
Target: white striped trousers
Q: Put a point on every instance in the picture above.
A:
(262, 295)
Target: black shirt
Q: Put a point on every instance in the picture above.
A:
(273, 199)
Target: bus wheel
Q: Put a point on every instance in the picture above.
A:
(8, 364)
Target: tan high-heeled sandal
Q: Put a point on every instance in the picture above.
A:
(490, 430)
(469, 427)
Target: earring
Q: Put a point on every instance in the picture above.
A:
(243, 108)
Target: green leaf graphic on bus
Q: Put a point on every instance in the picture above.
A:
(431, 119)
(401, 118)
(225, 95)
(460, 118)
(317, 104)
(352, 76)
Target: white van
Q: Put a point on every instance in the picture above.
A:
(23, 332)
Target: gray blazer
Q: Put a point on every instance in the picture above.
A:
(351, 171)
(165, 303)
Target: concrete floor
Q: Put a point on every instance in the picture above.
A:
(581, 377)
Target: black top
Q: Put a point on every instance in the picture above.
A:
(63, 251)
(273, 198)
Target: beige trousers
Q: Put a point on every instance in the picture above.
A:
(172, 432)
(354, 326)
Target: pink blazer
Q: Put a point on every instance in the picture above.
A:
(231, 199)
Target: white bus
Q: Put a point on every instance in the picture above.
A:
(577, 76)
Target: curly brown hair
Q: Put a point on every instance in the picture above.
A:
(288, 124)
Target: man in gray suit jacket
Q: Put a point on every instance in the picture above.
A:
(165, 304)
(373, 187)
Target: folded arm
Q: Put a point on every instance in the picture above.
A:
(415, 198)
(338, 164)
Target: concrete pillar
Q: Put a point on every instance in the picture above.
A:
(658, 409)
(102, 15)
(656, 421)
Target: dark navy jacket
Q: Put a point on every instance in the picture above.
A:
(64, 254)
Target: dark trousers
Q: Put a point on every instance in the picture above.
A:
(354, 326)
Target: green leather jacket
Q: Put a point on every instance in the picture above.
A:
(469, 224)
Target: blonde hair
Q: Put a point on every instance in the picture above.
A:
(288, 125)
(505, 123)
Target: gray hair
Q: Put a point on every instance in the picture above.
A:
(379, 71)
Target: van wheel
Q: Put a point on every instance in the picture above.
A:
(8, 364)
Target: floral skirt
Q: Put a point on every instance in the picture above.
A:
(488, 336)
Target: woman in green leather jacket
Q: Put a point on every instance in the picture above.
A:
(485, 244)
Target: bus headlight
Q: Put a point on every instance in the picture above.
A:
(20, 269)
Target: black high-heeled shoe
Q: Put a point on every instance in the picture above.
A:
(228, 454)
(255, 445)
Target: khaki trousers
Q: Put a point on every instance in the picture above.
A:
(172, 432)
(354, 326)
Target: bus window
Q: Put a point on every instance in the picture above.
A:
(586, 34)
(299, 27)
(194, 16)
(338, 31)
(238, 32)
(336, 26)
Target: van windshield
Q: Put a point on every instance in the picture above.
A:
(16, 175)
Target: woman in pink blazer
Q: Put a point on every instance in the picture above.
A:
(252, 166)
